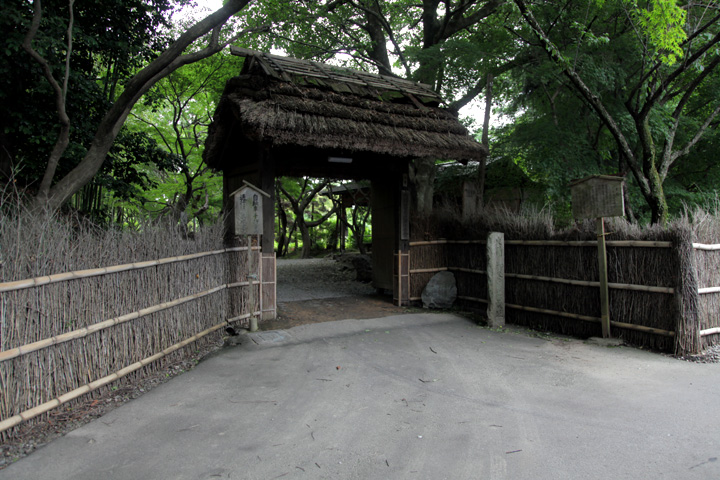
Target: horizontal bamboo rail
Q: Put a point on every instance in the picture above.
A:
(629, 326)
(459, 297)
(473, 299)
(589, 243)
(96, 327)
(445, 241)
(468, 270)
(709, 331)
(422, 243)
(586, 283)
(47, 406)
(94, 272)
(428, 270)
(703, 291)
(702, 246)
(575, 316)
(561, 243)
(642, 328)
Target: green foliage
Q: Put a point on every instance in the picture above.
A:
(626, 56)
(109, 43)
(662, 22)
(176, 114)
(623, 50)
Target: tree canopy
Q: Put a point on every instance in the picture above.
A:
(584, 87)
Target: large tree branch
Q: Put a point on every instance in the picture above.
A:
(587, 94)
(665, 166)
(687, 42)
(315, 223)
(377, 23)
(682, 68)
(458, 21)
(690, 89)
(488, 106)
(479, 86)
(68, 52)
(378, 43)
(668, 157)
(63, 138)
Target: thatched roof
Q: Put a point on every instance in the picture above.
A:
(298, 103)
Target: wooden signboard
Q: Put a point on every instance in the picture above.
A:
(248, 210)
(597, 196)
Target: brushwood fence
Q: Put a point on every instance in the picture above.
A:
(66, 335)
(664, 294)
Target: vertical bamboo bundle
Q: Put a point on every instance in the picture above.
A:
(687, 338)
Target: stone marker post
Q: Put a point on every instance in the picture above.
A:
(496, 279)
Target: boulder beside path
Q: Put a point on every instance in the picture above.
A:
(440, 292)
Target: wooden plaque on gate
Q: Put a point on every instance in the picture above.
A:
(247, 217)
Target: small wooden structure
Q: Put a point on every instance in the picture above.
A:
(598, 196)
(247, 211)
(288, 117)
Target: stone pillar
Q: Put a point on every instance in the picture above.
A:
(496, 279)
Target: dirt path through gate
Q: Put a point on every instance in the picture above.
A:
(322, 290)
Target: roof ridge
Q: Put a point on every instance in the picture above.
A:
(310, 71)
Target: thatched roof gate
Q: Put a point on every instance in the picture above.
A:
(284, 116)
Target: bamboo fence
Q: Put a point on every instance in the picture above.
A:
(552, 285)
(66, 335)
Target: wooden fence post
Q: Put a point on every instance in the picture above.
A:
(602, 268)
(496, 279)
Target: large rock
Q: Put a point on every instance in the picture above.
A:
(440, 292)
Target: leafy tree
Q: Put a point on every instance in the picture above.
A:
(36, 31)
(176, 114)
(128, 171)
(655, 104)
(302, 195)
(105, 46)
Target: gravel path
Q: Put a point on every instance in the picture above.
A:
(317, 278)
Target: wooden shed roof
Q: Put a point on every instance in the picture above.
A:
(299, 103)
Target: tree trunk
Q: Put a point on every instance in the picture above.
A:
(282, 234)
(307, 243)
(656, 200)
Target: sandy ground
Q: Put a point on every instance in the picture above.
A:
(315, 279)
(322, 290)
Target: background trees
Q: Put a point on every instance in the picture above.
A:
(37, 30)
(583, 86)
(644, 69)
